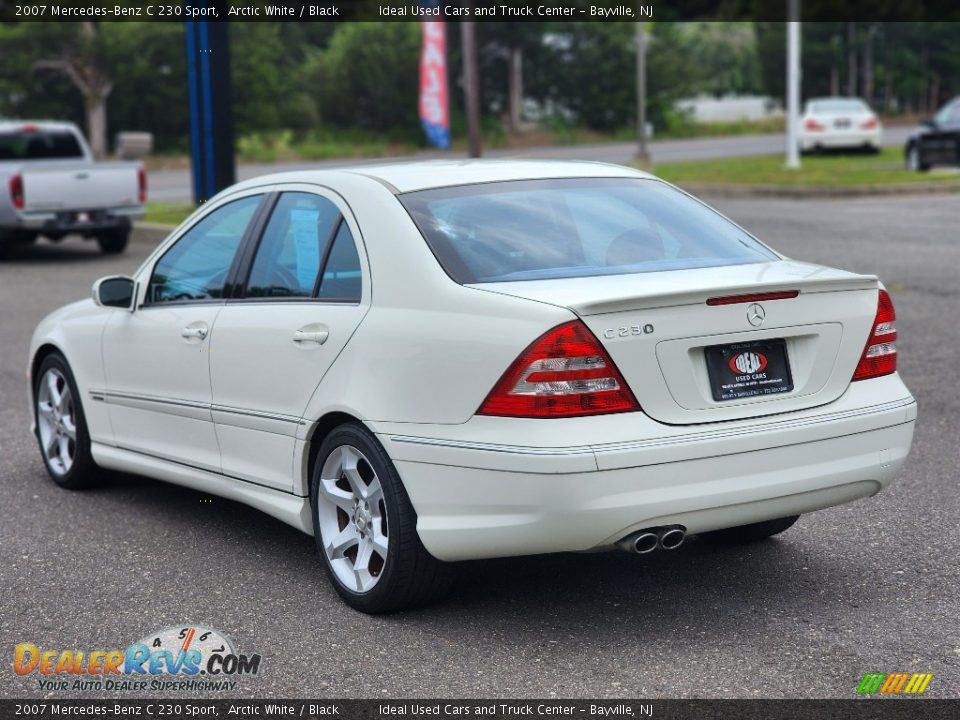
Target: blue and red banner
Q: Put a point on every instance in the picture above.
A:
(434, 98)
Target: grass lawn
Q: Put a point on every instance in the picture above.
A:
(816, 170)
(168, 213)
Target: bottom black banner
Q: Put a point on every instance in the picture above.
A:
(448, 709)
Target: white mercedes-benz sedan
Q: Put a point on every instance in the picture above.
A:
(833, 123)
(432, 362)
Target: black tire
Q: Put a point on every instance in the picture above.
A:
(750, 533)
(915, 163)
(114, 242)
(410, 576)
(83, 471)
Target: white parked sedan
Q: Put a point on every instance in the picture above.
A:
(434, 362)
(839, 123)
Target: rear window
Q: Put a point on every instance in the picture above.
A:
(39, 145)
(838, 106)
(545, 229)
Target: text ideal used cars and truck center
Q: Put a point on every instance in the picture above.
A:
(433, 362)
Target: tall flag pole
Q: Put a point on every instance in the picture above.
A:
(434, 98)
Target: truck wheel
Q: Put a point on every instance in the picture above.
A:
(113, 242)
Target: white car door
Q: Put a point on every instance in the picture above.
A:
(156, 359)
(300, 298)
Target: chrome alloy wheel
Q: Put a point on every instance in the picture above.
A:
(352, 518)
(56, 422)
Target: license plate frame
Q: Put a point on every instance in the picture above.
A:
(744, 370)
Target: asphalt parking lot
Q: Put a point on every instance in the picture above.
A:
(868, 587)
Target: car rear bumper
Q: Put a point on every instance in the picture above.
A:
(80, 221)
(829, 139)
(482, 499)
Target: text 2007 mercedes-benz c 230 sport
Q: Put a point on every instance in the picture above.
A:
(434, 362)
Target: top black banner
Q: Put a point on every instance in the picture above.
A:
(476, 10)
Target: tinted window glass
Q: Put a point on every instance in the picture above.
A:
(39, 145)
(289, 256)
(538, 229)
(341, 276)
(196, 267)
(838, 106)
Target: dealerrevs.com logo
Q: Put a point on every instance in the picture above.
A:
(189, 657)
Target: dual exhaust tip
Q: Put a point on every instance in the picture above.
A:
(646, 541)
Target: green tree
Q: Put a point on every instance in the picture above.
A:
(368, 77)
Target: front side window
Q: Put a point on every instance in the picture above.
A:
(197, 265)
(545, 229)
(291, 251)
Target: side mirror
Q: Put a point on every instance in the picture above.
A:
(928, 123)
(115, 291)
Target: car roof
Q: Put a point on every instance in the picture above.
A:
(404, 177)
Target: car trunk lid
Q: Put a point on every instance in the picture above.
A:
(658, 326)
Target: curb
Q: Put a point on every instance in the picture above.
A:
(819, 192)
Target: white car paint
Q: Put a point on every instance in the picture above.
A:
(236, 412)
(834, 123)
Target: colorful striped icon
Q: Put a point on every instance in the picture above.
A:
(894, 683)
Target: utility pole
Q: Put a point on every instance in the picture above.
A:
(471, 86)
(793, 83)
(643, 156)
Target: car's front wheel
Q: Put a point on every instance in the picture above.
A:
(914, 163)
(61, 426)
(366, 528)
(750, 533)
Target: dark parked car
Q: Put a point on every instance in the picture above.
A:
(936, 141)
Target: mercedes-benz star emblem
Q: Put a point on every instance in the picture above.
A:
(756, 315)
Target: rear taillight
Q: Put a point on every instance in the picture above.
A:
(869, 124)
(880, 355)
(565, 373)
(16, 191)
(142, 185)
(812, 124)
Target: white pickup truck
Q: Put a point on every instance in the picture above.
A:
(50, 185)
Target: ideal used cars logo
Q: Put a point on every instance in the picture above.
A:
(748, 363)
(190, 657)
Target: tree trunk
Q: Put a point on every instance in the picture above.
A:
(834, 81)
(515, 88)
(868, 66)
(96, 109)
(851, 59)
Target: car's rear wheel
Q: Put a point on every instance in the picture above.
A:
(750, 533)
(366, 528)
(113, 242)
(61, 426)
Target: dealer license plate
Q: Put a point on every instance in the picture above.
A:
(748, 369)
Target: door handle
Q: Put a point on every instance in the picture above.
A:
(194, 332)
(311, 336)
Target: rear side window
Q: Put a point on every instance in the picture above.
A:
(291, 250)
(341, 276)
(39, 145)
(546, 229)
